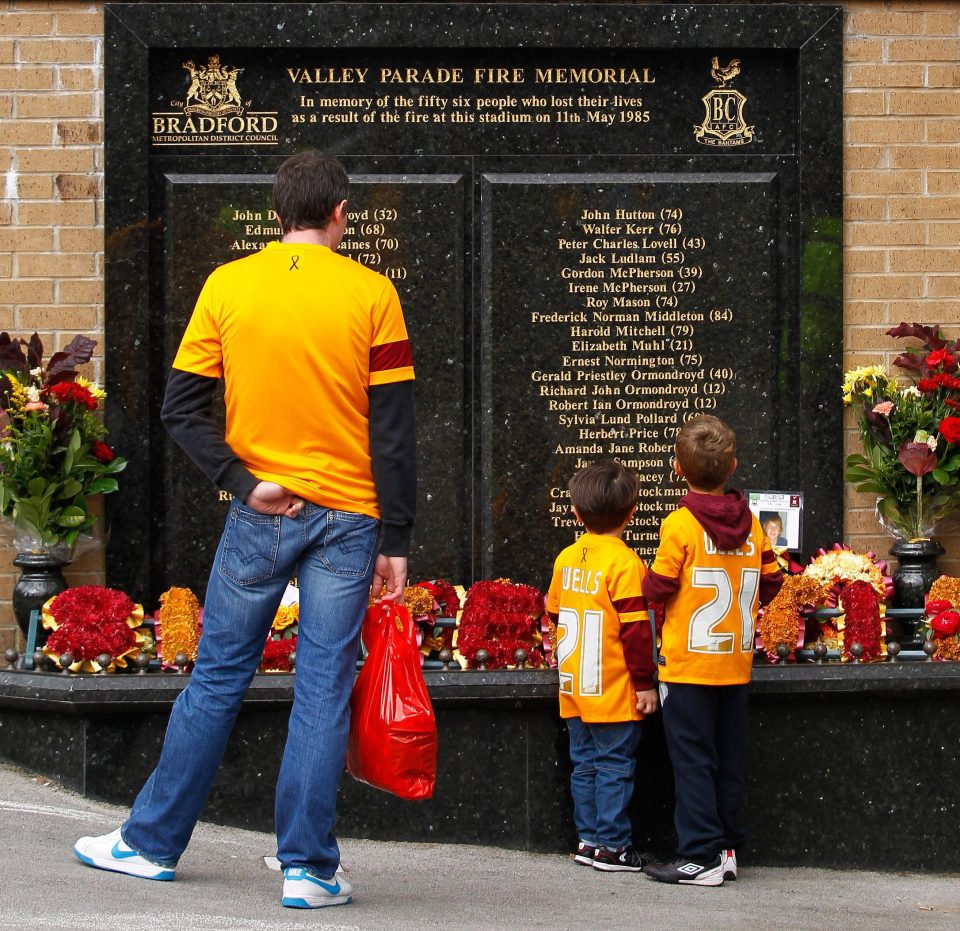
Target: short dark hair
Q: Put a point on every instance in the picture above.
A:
(307, 188)
(706, 449)
(604, 493)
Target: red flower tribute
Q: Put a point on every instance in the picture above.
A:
(90, 620)
(91, 604)
(276, 655)
(862, 623)
(501, 617)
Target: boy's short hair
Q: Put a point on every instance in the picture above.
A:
(706, 449)
(307, 188)
(604, 494)
(767, 516)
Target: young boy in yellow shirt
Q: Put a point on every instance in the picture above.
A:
(713, 567)
(605, 658)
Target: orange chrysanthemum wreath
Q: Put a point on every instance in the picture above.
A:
(782, 620)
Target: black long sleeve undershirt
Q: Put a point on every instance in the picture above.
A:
(393, 453)
(187, 415)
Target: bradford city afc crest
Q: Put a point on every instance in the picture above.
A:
(723, 123)
(213, 89)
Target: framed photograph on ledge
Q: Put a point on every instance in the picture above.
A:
(781, 515)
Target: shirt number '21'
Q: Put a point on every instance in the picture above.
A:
(707, 617)
(590, 637)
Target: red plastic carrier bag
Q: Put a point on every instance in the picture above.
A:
(393, 733)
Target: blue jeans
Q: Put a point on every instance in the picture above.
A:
(258, 554)
(604, 761)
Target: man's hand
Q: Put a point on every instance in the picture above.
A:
(271, 498)
(389, 571)
(647, 701)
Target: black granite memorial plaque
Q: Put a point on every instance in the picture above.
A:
(601, 219)
(232, 215)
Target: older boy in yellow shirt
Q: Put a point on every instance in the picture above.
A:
(713, 567)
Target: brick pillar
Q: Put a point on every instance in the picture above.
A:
(901, 196)
(51, 215)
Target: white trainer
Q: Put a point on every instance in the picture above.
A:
(301, 889)
(729, 864)
(109, 852)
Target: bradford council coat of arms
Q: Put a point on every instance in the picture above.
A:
(723, 123)
(213, 89)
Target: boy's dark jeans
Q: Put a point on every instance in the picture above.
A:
(706, 731)
(604, 758)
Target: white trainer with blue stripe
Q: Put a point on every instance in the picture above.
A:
(109, 852)
(301, 889)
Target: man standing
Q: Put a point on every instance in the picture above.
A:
(319, 457)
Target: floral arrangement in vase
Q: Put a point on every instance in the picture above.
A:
(910, 434)
(53, 457)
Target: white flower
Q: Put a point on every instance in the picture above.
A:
(33, 393)
(36, 373)
(913, 391)
(932, 443)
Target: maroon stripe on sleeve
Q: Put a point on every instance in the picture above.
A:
(636, 638)
(770, 584)
(768, 557)
(391, 356)
(658, 587)
(629, 605)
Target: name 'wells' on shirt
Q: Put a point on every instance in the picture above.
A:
(711, 547)
(582, 581)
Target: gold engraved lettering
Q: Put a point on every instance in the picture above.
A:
(327, 75)
(594, 76)
(421, 75)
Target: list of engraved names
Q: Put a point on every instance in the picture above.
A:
(631, 370)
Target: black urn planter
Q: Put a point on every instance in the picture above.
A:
(41, 577)
(916, 571)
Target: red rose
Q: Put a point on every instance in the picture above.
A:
(926, 384)
(945, 624)
(101, 452)
(950, 429)
(938, 606)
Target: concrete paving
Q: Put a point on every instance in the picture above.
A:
(223, 885)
